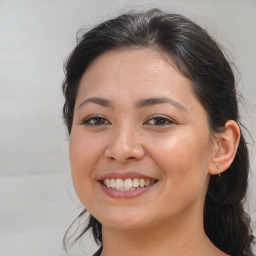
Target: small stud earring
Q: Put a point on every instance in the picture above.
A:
(218, 170)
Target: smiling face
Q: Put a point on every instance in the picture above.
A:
(140, 144)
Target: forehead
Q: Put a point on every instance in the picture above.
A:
(127, 70)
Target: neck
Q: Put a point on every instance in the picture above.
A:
(185, 238)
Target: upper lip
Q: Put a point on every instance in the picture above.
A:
(125, 175)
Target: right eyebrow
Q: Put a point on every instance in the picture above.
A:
(100, 101)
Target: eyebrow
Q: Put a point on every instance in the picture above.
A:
(100, 101)
(162, 100)
(140, 104)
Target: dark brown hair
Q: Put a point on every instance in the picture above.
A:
(200, 59)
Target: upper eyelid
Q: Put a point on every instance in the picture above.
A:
(94, 115)
(159, 116)
(84, 120)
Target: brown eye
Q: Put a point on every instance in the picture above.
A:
(96, 120)
(159, 121)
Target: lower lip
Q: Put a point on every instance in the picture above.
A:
(125, 194)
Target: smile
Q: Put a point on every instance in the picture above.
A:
(127, 184)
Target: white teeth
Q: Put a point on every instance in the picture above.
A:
(142, 183)
(147, 182)
(119, 183)
(135, 183)
(107, 183)
(127, 184)
(112, 183)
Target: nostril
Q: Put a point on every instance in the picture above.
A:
(130, 158)
(124, 153)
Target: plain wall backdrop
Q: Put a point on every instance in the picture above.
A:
(37, 201)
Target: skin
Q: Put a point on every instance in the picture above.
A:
(178, 150)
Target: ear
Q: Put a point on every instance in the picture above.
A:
(224, 148)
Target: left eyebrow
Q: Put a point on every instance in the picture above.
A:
(162, 100)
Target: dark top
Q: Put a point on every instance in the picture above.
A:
(98, 252)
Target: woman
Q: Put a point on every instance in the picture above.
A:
(157, 155)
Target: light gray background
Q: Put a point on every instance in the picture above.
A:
(37, 201)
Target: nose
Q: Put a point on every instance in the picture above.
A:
(125, 145)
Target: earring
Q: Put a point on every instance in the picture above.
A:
(218, 170)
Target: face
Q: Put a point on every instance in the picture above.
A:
(140, 144)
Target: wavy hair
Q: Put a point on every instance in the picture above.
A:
(200, 59)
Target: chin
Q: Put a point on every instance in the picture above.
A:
(125, 225)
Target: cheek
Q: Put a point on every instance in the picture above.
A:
(76, 155)
(84, 152)
(182, 159)
(82, 158)
(184, 172)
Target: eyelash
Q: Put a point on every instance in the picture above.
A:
(158, 120)
(95, 120)
(164, 121)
